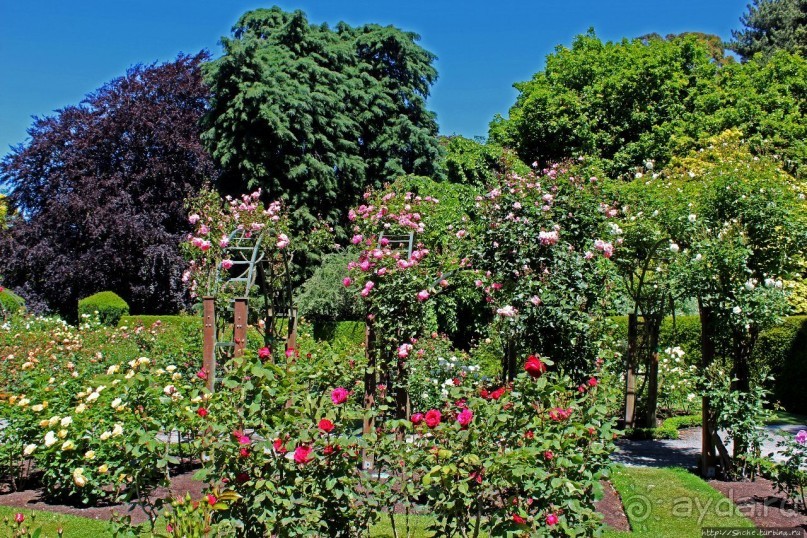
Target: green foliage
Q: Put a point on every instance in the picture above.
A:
(771, 25)
(324, 297)
(343, 333)
(108, 306)
(790, 474)
(621, 103)
(3, 211)
(475, 163)
(668, 429)
(10, 302)
(314, 115)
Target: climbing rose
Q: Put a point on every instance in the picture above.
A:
(226, 264)
(534, 366)
(433, 417)
(302, 454)
(423, 295)
(325, 425)
(264, 353)
(339, 395)
(465, 417)
(417, 418)
(801, 437)
(551, 520)
(282, 241)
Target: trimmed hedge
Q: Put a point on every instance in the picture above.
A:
(668, 429)
(344, 332)
(11, 302)
(782, 350)
(109, 305)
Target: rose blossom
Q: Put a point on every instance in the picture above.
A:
(347, 281)
(226, 264)
(282, 241)
(302, 454)
(433, 417)
(518, 519)
(202, 412)
(534, 366)
(551, 520)
(417, 418)
(423, 295)
(339, 395)
(325, 425)
(465, 417)
(264, 353)
(277, 444)
(801, 437)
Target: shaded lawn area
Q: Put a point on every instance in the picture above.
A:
(787, 419)
(659, 503)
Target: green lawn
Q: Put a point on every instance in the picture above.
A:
(788, 419)
(671, 503)
(660, 503)
(74, 527)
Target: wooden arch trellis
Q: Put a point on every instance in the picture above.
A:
(257, 288)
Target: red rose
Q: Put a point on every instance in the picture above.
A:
(264, 353)
(241, 477)
(417, 418)
(326, 425)
(498, 393)
(339, 395)
(549, 455)
(277, 444)
(302, 454)
(529, 434)
(244, 452)
(330, 449)
(592, 382)
(519, 520)
(202, 412)
(534, 366)
(433, 417)
(551, 520)
(211, 499)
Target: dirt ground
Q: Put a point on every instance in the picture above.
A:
(759, 501)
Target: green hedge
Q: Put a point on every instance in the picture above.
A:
(166, 321)
(11, 302)
(782, 350)
(668, 429)
(110, 307)
(344, 332)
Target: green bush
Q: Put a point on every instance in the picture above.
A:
(110, 307)
(668, 429)
(11, 302)
(324, 296)
(781, 350)
(351, 333)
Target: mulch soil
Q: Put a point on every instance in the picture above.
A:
(610, 506)
(761, 503)
(34, 499)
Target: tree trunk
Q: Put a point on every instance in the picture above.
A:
(707, 356)
(652, 327)
(630, 374)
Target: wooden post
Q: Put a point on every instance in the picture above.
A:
(630, 373)
(370, 382)
(653, 325)
(291, 342)
(707, 356)
(240, 326)
(209, 347)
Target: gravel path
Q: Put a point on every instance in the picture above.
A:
(684, 451)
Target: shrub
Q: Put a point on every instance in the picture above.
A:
(109, 305)
(668, 429)
(325, 297)
(10, 302)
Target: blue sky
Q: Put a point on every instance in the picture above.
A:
(54, 52)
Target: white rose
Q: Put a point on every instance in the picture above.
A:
(68, 445)
(117, 430)
(29, 449)
(78, 477)
(92, 397)
(50, 439)
(66, 421)
(115, 403)
(80, 408)
(105, 436)
(112, 369)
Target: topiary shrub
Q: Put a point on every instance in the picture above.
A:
(10, 302)
(109, 305)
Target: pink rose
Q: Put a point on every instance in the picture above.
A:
(417, 418)
(551, 520)
(423, 295)
(302, 455)
(282, 241)
(465, 417)
(226, 264)
(339, 395)
(347, 281)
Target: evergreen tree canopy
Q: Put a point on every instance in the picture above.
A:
(100, 191)
(771, 25)
(313, 115)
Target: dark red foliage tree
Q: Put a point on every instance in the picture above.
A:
(100, 188)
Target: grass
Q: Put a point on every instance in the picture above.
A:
(787, 419)
(49, 522)
(659, 503)
(671, 503)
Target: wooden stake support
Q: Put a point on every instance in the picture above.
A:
(209, 348)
